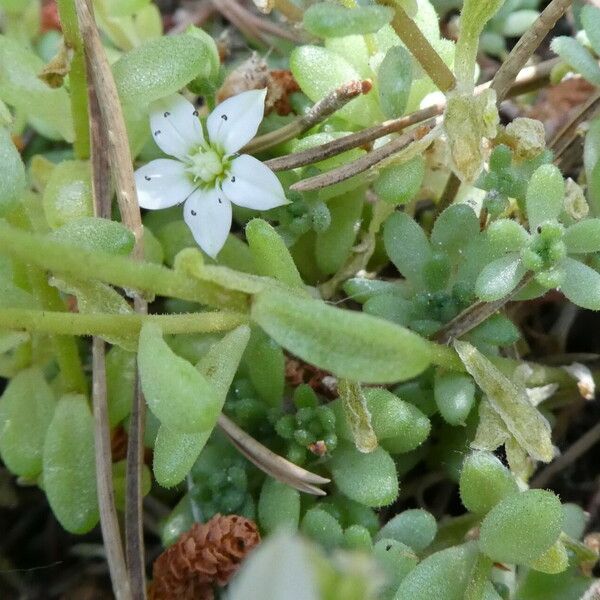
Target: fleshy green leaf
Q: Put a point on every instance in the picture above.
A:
(93, 233)
(590, 19)
(577, 57)
(454, 229)
(399, 184)
(12, 173)
(414, 527)
(583, 237)
(26, 408)
(454, 395)
(407, 246)
(500, 277)
(177, 393)
(328, 19)
(69, 466)
(507, 235)
(545, 195)
(525, 422)
(395, 78)
(348, 343)
(369, 479)
(278, 506)
(581, 284)
(521, 527)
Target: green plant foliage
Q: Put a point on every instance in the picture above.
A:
(329, 19)
(278, 507)
(415, 528)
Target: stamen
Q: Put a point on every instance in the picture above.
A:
(224, 117)
(147, 177)
(167, 114)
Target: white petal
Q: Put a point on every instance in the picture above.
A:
(208, 214)
(176, 128)
(163, 183)
(234, 122)
(252, 185)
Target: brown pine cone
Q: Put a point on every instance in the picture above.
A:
(209, 553)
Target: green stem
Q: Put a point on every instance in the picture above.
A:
(64, 346)
(77, 78)
(59, 257)
(69, 324)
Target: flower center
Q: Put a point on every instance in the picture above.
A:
(206, 165)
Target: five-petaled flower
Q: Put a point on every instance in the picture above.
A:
(208, 175)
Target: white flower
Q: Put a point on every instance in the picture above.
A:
(208, 175)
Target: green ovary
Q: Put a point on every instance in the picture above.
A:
(206, 165)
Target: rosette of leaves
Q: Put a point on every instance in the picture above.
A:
(553, 253)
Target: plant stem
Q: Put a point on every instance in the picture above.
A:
(401, 147)
(526, 46)
(335, 100)
(59, 257)
(420, 48)
(476, 314)
(84, 324)
(106, 501)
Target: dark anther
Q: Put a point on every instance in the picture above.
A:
(233, 179)
(193, 213)
(224, 117)
(219, 199)
(167, 114)
(157, 132)
(388, 547)
(147, 177)
(539, 229)
(195, 113)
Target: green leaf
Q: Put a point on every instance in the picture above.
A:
(177, 393)
(396, 560)
(322, 527)
(545, 195)
(278, 506)
(348, 343)
(48, 109)
(506, 235)
(369, 479)
(120, 383)
(318, 71)
(583, 237)
(484, 481)
(525, 422)
(69, 468)
(407, 246)
(521, 527)
(590, 19)
(577, 57)
(175, 453)
(415, 527)
(554, 560)
(26, 408)
(500, 277)
(399, 184)
(454, 395)
(68, 194)
(328, 19)
(443, 574)
(581, 284)
(454, 229)
(265, 363)
(395, 76)
(12, 173)
(94, 233)
(518, 22)
(161, 67)
(271, 256)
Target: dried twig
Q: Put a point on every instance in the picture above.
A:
(568, 134)
(425, 133)
(420, 48)
(526, 46)
(274, 465)
(335, 100)
(589, 439)
(117, 147)
(529, 79)
(106, 501)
